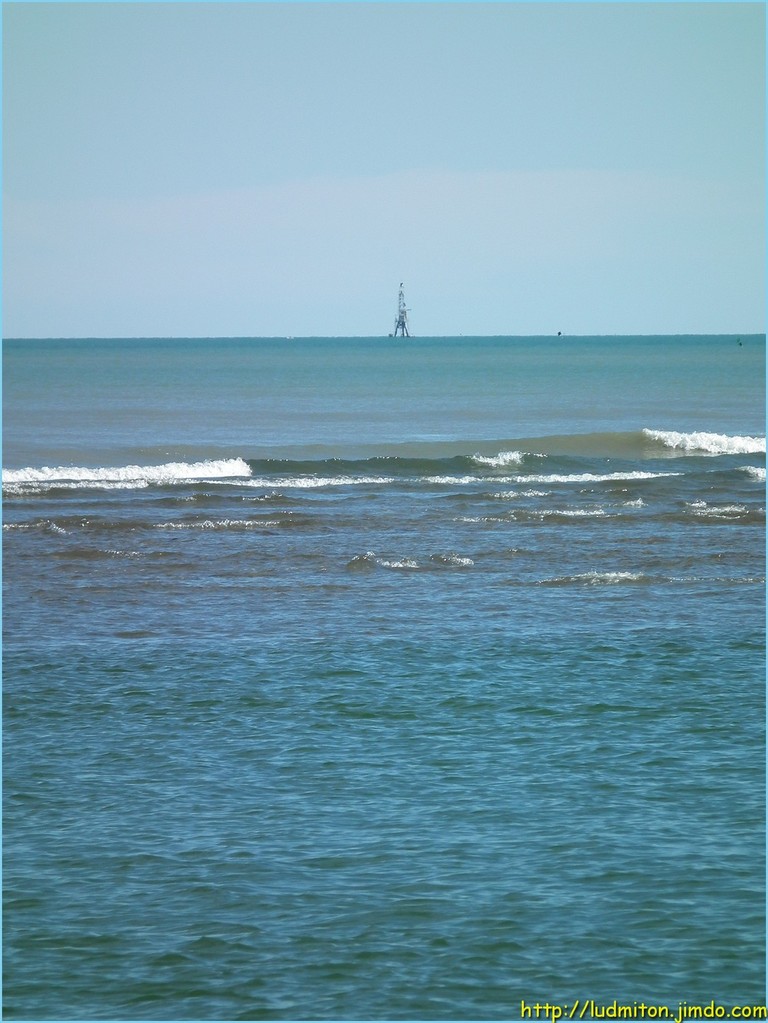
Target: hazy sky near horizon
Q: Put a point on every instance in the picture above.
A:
(259, 169)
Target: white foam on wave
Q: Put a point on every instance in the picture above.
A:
(314, 482)
(573, 513)
(482, 518)
(707, 443)
(24, 481)
(45, 524)
(580, 477)
(370, 560)
(703, 509)
(460, 481)
(515, 495)
(111, 477)
(221, 524)
(26, 488)
(453, 560)
(592, 477)
(595, 578)
(755, 471)
(608, 578)
(499, 461)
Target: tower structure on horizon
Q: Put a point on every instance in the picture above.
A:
(401, 323)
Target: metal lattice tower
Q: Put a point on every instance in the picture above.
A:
(401, 323)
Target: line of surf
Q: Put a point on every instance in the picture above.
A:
(525, 455)
(701, 442)
(169, 472)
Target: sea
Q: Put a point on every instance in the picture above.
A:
(384, 678)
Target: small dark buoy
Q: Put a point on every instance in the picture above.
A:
(559, 333)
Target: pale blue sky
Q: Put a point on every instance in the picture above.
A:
(209, 169)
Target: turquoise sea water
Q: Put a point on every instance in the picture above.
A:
(375, 679)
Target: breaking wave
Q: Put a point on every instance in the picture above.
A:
(128, 475)
(551, 460)
(502, 459)
(707, 443)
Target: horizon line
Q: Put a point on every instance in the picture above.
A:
(354, 337)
